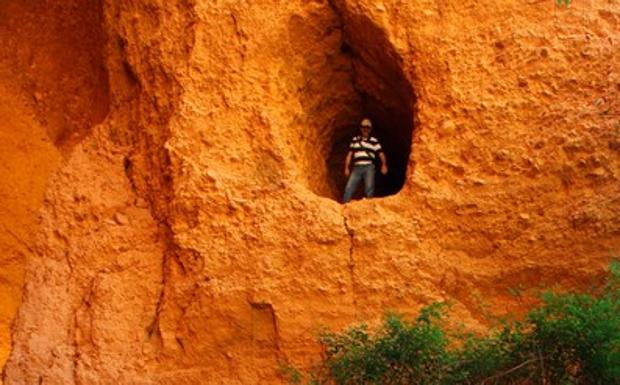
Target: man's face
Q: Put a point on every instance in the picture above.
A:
(365, 131)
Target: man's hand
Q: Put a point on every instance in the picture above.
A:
(347, 164)
(384, 169)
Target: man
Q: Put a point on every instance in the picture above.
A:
(363, 151)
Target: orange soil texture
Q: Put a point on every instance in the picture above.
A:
(53, 87)
(171, 172)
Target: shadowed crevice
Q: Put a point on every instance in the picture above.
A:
(385, 96)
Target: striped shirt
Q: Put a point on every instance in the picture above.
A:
(364, 151)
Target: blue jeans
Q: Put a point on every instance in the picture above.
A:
(366, 172)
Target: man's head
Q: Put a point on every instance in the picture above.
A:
(365, 127)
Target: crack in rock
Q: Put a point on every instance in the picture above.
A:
(351, 261)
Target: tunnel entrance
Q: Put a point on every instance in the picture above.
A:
(394, 130)
(363, 78)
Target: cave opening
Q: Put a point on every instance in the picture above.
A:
(394, 128)
(379, 90)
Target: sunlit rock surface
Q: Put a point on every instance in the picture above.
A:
(179, 221)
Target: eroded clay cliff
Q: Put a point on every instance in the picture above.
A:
(53, 85)
(194, 235)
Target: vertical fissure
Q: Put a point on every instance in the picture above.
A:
(148, 165)
(351, 259)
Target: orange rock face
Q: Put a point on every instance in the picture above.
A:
(54, 88)
(195, 235)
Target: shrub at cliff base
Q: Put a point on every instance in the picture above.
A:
(569, 339)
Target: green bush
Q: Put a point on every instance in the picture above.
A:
(569, 339)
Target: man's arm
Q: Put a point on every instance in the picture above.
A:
(384, 167)
(347, 163)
